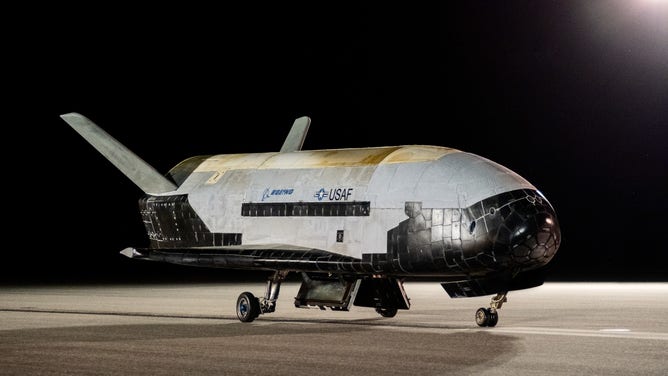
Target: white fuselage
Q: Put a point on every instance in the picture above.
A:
(386, 177)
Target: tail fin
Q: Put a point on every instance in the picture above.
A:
(297, 135)
(147, 178)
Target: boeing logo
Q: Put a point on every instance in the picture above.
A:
(334, 194)
(276, 192)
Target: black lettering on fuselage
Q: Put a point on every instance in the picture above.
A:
(339, 194)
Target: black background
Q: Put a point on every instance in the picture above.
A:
(574, 97)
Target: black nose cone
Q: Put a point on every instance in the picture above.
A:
(523, 228)
(534, 231)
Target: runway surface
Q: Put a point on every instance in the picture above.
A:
(554, 329)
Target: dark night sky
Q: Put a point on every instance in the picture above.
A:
(571, 95)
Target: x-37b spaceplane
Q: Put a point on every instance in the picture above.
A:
(354, 223)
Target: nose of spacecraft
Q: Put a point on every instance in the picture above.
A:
(534, 232)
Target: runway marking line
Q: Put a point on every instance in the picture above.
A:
(586, 333)
(384, 324)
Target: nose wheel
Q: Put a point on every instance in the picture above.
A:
(490, 316)
(486, 317)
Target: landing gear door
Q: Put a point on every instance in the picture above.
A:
(325, 291)
(382, 293)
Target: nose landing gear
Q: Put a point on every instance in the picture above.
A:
(490, 316)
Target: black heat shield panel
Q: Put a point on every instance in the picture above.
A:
(494, 284)
(257, 257)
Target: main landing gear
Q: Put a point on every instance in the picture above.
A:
(386, 312)
(490, 316)
(323, 290)
(249, 307)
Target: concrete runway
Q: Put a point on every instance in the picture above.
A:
(557, 328)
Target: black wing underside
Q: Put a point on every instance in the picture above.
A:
(274, 257)
(259, 257)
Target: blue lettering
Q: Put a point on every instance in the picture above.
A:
(278, 192)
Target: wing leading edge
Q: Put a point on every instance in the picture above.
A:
(266, 257)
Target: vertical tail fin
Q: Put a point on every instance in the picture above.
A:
(147, 178)
(297, 135)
